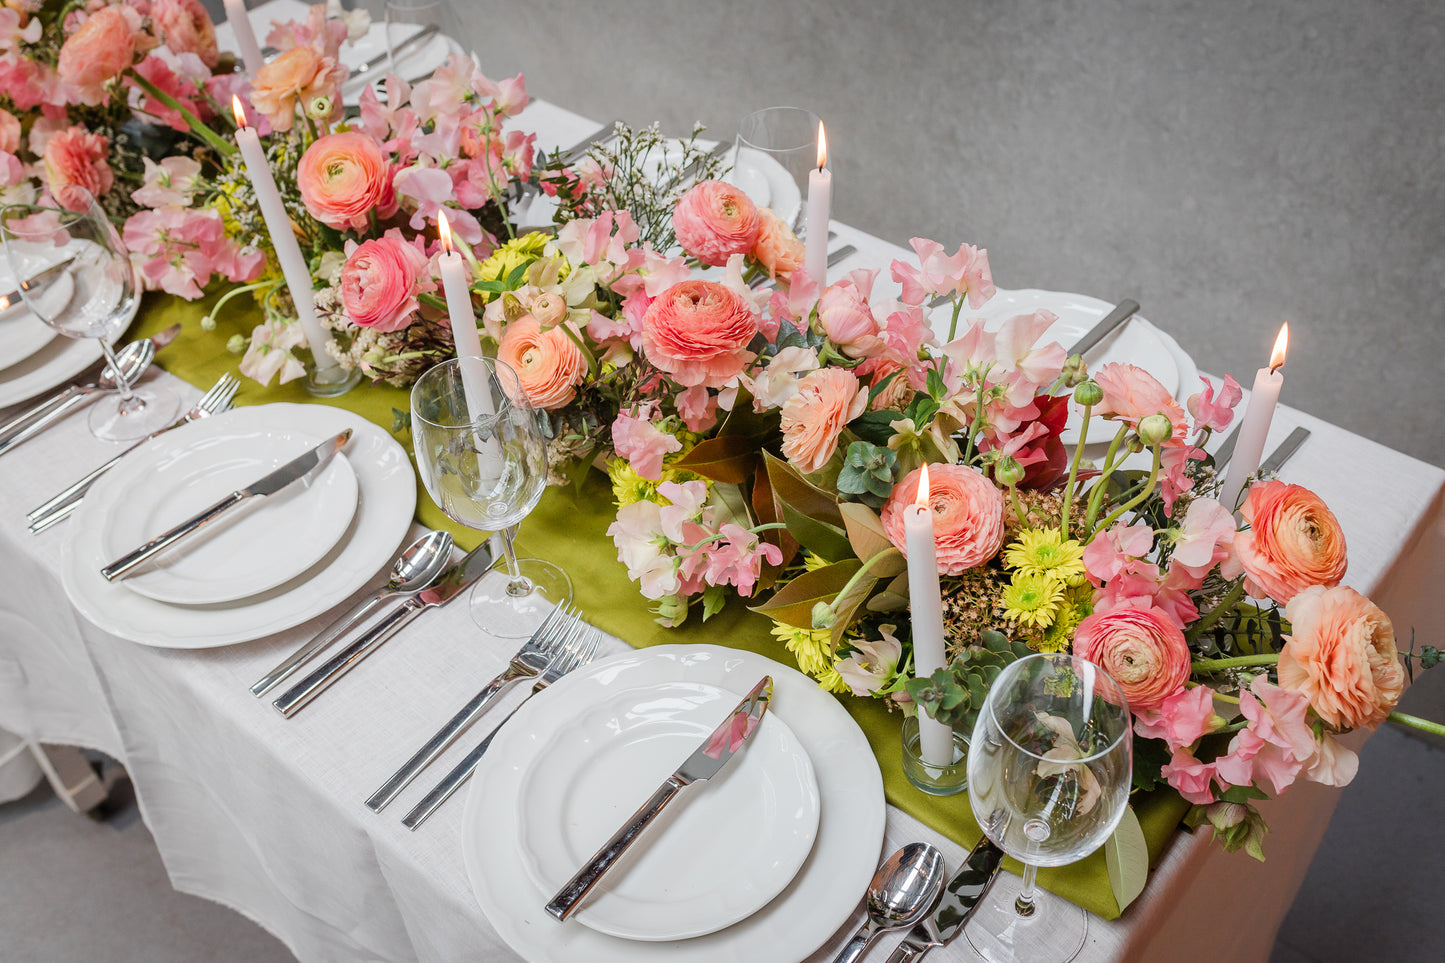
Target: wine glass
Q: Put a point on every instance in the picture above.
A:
(483, 460)
(407, 18)
(776, 148)
(1049, 772)
(74, 273)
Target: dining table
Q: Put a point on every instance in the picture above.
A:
(265, 814)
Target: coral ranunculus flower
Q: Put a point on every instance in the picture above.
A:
(777, 248)
(343, 178)
(186, 27)
(698, 332)
(714, 221)
(814, 417)
(1341, 654)
(967, 515)
(1294, 541)
(549, 364)
(75, 158)
(1142, 648)
(380, 281)
(292, 80)
(101, 47)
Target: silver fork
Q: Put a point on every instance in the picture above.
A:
(58, 508)
(559, 628)
(578, 652)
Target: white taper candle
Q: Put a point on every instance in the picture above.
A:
(1254, 428)
(240, 23)
(820, 199)
(925, 603)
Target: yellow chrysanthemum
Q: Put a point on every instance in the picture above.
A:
(813, 650)
(1076, 606)
(813, 562)
(1032, 599)
(628, 487)
(507, 258)
(1043, 551)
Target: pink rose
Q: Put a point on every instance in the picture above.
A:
(967, 515)
(9, 132)
(1143, 649)
(186, 27)
(698, 332)
(777, 248)
(1341, 655)
(75, 158)
(1293, 542)
(96, 53)
(714, 221)
(380, 282)
(549, 364)
(814, 417)
(343, 178)
(294, 79)
(844, 315)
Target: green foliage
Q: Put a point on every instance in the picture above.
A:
(955, 694)
(868, 473)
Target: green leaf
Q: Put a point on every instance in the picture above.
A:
(793, 603)
(872, 426)
(726, 458)
(714, 597)
(865, 534)
(792, 489)
(1126, 855)
(822, 539)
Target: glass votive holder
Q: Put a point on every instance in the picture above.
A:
(935, 780)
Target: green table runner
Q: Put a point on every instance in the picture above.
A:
(573, 526)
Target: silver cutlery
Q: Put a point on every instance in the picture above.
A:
(414, 569)
(833, 258)
(705, 761)
(302, 468)
(60, 507)
(1226, 451)
(578, 651)
(959, 899)
(1122, 312)
(11, 298)
(576, 151)
(451, 584)
(401, 50)
(904, 888)
(533, 657)
(1284, 452)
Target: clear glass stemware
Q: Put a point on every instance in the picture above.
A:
(1049, 773)
(776, 148)
(483, 460)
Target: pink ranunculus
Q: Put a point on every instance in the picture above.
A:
(1294, 541)
(815, 416)
(294, 79)
(1143, 649)
(844, 315)
(967, 515)
(381, 280)
(98, 51)
(549, 364)
(9, 132)
(1190, 777)
(186, 27)
(1340, 653)
(714, 221)
(1181, 719)
(698, 332)
(76, 158)
(1132, 394)
(777, 248)
(641, 442)
(343, 179)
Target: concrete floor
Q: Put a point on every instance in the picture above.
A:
(1230, 165)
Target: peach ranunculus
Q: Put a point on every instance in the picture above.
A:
(698, 332)
(549, 364)
(9, 132)
(294, 79)
(815, 416)
(185, 27)
(343, 178)
(1132, 394)
(76, 158)
(1293, 541)
(967, 515)
(1340, 652)
(96, 53)
(1142, 648)
(380, 282)
(777, 248)
(714, 221)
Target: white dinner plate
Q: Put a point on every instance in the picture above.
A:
(21, 332)
(250, 549)
(416, 64)
(55, 363)
(385, 503)
(733, 842)
(820, 898)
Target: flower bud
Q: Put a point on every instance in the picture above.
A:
(549, 309)
(319, 108)
(1008, 471)
(236, 344)
(208, 323)
(1224, 815)
(824, 616)
(1088, 393)
(1155, 429)
(1075, 371)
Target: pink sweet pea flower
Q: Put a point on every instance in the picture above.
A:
(697, 408)
(966, 272)
(737, 559)
(1181, 719)
(1333, 763)
(1190, 777)
(642, 443)
(1206, 537)
(169, 183)
(1278, 742)
(686, 502)
(1211, 412)
(1116, 550)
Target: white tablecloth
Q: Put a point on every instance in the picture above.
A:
(265, 815)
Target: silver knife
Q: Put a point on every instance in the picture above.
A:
(1122, 312)
(11, 298)
(705, 761)
(956, 904)
(451, 584)
(303, 468)
(1285, 451)
(578, 149)
(400, 51)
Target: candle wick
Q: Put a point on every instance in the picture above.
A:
(1275, 367)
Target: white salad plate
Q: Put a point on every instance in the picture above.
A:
(721, 851)
(22, 334)
(59, 360)
(252, 548)
(819, 899)
(385, 502)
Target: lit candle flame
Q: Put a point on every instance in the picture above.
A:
(922, 500)
(822, 147)
(1281, 343)
(239, 111)
(444, 231)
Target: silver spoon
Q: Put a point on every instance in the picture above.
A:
(905, 887)
(135, 358)
(414, 569)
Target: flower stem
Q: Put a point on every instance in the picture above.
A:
(1138, 499)
(862, 570)
(1067, 503)
(1096, 497)
(1231, 598)
(1424, 725)
(957, 310)
(207, 135)
(1237, 662)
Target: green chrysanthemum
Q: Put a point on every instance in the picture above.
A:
(1032, 600)
(1077, 605)
(505, 259)
(813, 651)
(1043, 551)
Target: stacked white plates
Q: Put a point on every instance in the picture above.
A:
(268, 565)
(774, 851)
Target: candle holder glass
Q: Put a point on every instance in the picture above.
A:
(947, 780)
(330, 381)
(776, 148)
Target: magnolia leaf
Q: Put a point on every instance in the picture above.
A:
(847, 605)
(769, 512)
(792, 489)
(732, 505)
(887, 602)
(793, 603)
(824, 540)
(865, 534)
(1126, 855)
(727, 458)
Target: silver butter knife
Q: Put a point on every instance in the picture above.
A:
(705, 761)
(11, 298)
(303, 468)
(402, 50)
(956, 904)
(1284, 452)
(1122, 312)
(451, 584)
